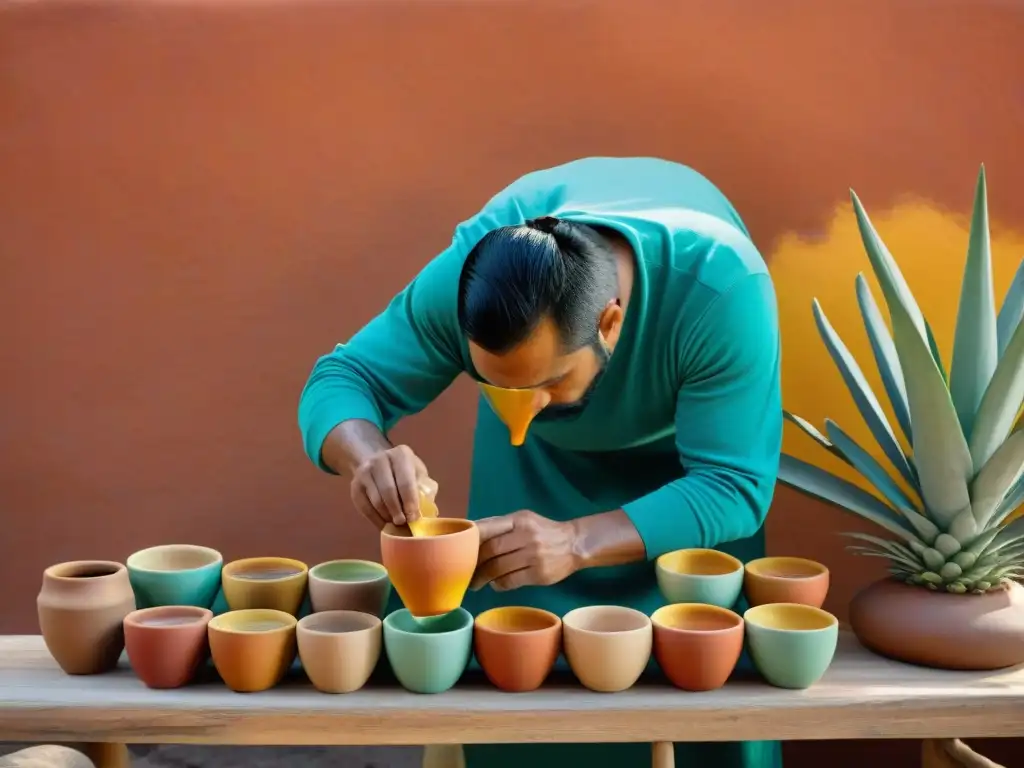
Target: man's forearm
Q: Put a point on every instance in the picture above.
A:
(350, 444)
(607, 538)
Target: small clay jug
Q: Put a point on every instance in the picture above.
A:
(81, 607)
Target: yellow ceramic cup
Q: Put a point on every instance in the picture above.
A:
(274, 583)
(252, 649)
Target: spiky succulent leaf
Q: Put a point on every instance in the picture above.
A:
(868, 405)
(997, 478)
(886, 359)
(812, 432)
(941, 456)
(975, 346)
(1012, 310)
(1001, 402)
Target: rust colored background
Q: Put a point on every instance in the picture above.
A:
(198, 197)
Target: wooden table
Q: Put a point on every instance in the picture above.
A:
(861, 697)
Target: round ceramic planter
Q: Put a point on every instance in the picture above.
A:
(940, 629)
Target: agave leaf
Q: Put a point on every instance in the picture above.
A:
(865, 399)
(933, 347)
(1001, 402)
(941, 456)
(894, 286)
(886, 359)
(997, 477)
(820, 484)
(1011, 503)
(1012, 310)
(865, 463)
(872, 552)
(975, 346)
(811, 431)
(1010, 532)
(896, 550)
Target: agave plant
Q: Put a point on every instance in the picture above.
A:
(966, 462)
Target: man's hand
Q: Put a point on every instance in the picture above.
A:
(386, 486)
(523, 549)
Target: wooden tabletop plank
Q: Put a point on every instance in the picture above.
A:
(861, 697)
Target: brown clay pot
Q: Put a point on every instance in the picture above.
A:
(697, 646)
(81, 609)
(517, 646)
(939, 629)
(166, 644)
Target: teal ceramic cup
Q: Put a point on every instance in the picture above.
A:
(792, 645)
(175, 574)
(428, 656)
(700, 576)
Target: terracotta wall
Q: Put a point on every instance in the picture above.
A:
(198, 197)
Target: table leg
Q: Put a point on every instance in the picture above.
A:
(443, 756)
(663, 754)
(952, 753)
(106, 755)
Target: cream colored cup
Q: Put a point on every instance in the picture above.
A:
(339, 649)
(607, 646)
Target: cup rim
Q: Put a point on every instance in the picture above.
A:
(734, 561)
(230, 569)
(304, 624)
(467, 525)
(569, 619)
(137, 617)
(466, 616)
(217, 623)
(380, 576)
(725, 612)
(216, 558)
(750, 617)
(754, 568)
(554, 625)
(55, 571)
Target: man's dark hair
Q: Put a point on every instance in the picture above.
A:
(517, 276)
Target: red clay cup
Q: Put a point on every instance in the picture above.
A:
(697, 646)
(166, 644)
(517, 646)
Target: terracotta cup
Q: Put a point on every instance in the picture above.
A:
(517, 647)
(607, 646)
(175, 574)
(253, 648)
(274, 583)
(785, 580)
(350, 585)
(697, 646)
(166, 644)
(428, 657)
(81, 608)
(339, 649)
(700, 576)
(791, 644)
(432, 570)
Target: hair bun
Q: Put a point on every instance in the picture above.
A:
(546, 224)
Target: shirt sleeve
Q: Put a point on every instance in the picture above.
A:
(406, 356)
(728, 428)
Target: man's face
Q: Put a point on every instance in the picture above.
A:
(563, 381)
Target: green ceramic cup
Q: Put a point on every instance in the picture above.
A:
(792, 645)
(175, 574)
(429, 656)
(700, 576)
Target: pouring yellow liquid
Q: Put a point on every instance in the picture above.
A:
(428, 508)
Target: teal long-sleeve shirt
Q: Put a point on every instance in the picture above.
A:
(696, 370)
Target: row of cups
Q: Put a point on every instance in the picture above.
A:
(696, 645)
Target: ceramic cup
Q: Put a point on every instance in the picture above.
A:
(428, 657)
(252, 649)
(785, 580)
(166, 644)
(175, 574)
(339, 649)
(791, 644)
(517, 647)
(274, 583)
(432, 570)
(349, 585)
(700, 576)
(607, 646)
(697, 646)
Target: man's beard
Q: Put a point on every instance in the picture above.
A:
(560, 411)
